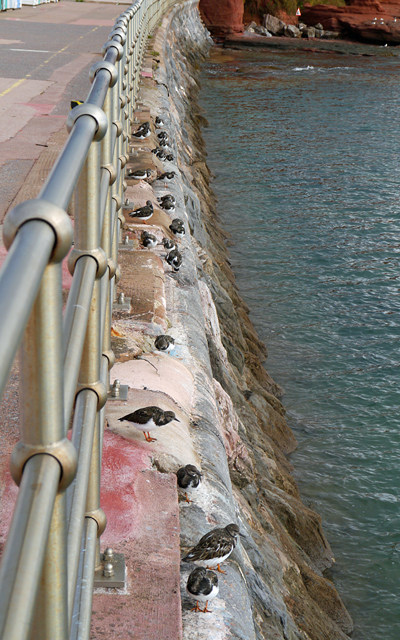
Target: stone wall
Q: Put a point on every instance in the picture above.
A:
(231, 421)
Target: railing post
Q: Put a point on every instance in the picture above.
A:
(87, 235)
(42, 429)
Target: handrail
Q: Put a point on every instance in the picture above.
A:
(53, 547)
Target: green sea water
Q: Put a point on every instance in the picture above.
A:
(305, 148)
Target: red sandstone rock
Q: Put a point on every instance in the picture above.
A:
(367, 20)
(223, 17)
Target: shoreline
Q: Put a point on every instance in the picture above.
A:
(341, 47)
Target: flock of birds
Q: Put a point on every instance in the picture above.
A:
(216, 545)
(166, 202)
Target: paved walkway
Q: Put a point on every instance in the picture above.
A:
(45, 56)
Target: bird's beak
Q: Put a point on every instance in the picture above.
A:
(176, 420)
(242, 535)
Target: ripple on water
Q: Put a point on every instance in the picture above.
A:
(315, 217)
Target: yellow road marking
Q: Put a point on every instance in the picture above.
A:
(13, 86)
(29, 75)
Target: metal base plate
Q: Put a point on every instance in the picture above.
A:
(125, 245)
(117, 581)
(125, 306)
(123, 393)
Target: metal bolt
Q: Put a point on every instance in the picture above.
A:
(126, 240)
(108, 554)
(115, 394)
(121, 298)
(108, 570)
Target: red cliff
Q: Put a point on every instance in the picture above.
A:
(223, 17)
(367, 20)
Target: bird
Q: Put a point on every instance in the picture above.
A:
(143, 213)
(214, 547)
(149, 418)
(168, 175)
(169, 157)
(164, 343)
(177, 227)
(202, 585)
(159, 153)
(159, 121)
(167, 196)
(168, 244)
(139, 174)
(143, 131)
(174, 258)
(148, 240)
(162, 135)
(189, 478)
(167, 205)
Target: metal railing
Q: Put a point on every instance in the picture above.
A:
(53, 547)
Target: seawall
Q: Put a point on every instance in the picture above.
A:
(231, 421)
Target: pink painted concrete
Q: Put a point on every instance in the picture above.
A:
(143, 522)
(157, 372)
(123, 461)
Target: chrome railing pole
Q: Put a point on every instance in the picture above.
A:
(42, 430)
(87, 233)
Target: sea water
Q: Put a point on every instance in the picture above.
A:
(305, 148)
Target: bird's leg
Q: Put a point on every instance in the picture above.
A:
(196, 608)
(205, 610)
(187, 499)
(220, 570)
(148, 437)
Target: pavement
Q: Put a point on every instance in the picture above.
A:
(45, 56)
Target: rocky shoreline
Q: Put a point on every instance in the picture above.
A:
(233, 422)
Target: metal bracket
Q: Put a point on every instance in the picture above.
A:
(118, 391)
(126, 243)
(111, 574)
(122, 304)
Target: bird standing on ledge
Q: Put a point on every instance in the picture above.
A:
(164, 343)
(148, 419)
(174, 258)
(215, 547)
(202, 585)
(189, 478)
(143, 213)
(148, 240)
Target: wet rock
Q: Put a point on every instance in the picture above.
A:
(274, 25)
(290, 31)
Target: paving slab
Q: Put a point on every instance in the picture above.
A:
(143, 523)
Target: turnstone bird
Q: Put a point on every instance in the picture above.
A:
(215, 547)
(143, 131)
(148, 240)
(168, 244)
(164, 343)
(162, 135)
(159, 121)
(202, 585)
(159, 153)
(189, 478)
(174, 258)
(148, 419)
(168, 206)
(168, 175)
(143, 213)
(168, 197)
(177, 227)
(169, 157)
(140, 174)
